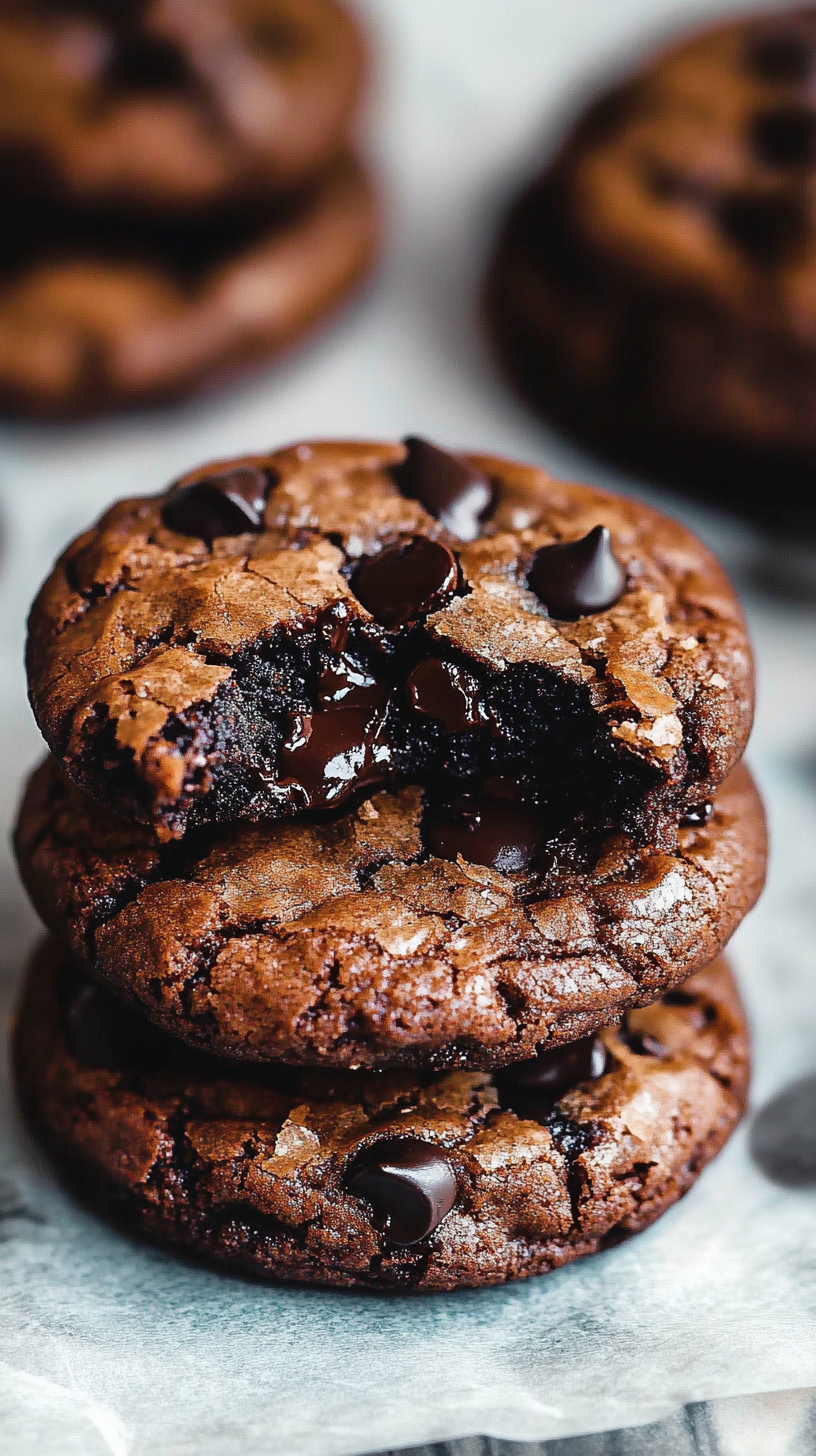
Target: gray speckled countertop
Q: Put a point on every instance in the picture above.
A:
(702, 1332)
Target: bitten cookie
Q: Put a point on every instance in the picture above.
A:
(100, 311)
(383, 1180)
(279, 632)
(655, 290)
(401, 932)
(164, 105)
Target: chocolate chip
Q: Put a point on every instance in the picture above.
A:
(218, 505)
(406, 581)
(697, 815)
(409, 1184)
(530, 1088)
(783, 1137)
(642, 1044)
(767, 228)
(494, 832)
(444, 691)
(576, 578)
(99, 1031)
(328, 755)
(147, 64)
(780, 57)
(449, 489)
(785, 136)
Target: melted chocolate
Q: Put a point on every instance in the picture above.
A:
(448, 488)
(444, 691)
(642, 1044)
(347, 685)
(783, 1137)
(495, 832)
(329, 755)
(409, 1184)
(218, 505)
(531, 1088)
(406, 581)
(576, 578)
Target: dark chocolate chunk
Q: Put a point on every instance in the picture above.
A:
(496, 832)
(783, 1137)
(785, 136)
(530, 1088)
(442, 690)
(767, 228)
(449, 489)
(406, 581)
(697, 815)
(328, 755)
(575, 578)
(148, 64)
(780, 56)
(410, 1185)
(218, 505)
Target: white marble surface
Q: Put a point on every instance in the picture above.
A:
(110, 1346)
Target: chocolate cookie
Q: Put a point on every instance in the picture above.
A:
(100, 310)
(383, 1180)
(166, 104)
(280, 632)
(393, 934)
(654, 290)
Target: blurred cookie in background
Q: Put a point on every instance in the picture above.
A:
(653, 291)
(180, 195)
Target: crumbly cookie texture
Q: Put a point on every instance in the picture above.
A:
(185, 675)
(384, 1180)
(174, 104)
(345, 941)
(653, 290)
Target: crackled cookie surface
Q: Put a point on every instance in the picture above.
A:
(399, 932)
(281, 632)
(383, 1180)
(99, 310)
(654, 289)
(173, 104)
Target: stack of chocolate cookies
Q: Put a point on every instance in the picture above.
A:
(394, 824)
(180, 195)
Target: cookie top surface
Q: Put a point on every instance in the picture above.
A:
(100, 312)
(386, 1180)
(169, 104)
(696, 174)
(349, 634)
(370, 939)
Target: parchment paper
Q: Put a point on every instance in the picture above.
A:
(111, 1346)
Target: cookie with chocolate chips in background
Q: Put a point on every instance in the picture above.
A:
(400, 932)
(99, 311)
(652, 292)
(382, 1180)
(282, 632)
(181, 198)
(157, 106)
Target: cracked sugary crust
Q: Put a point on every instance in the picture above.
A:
(140, 629)
(341, 942)
(257, 120)
(250, 1176)
(83, 333)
